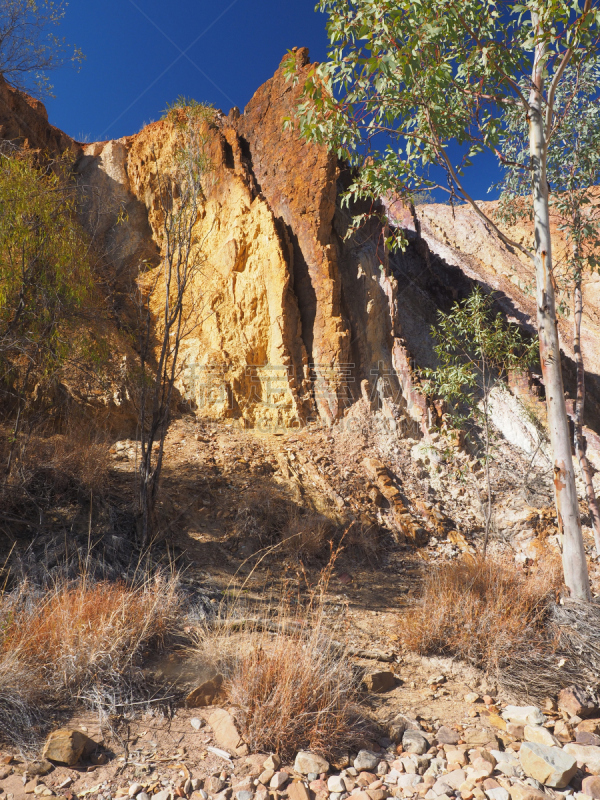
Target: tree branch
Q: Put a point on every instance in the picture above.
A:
(505, 239)
(559, 73)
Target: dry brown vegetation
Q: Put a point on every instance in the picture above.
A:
(292, 681)
(78, 642)
(485, 612)
(271, 519)
(48, 471)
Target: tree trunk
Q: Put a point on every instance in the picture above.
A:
(584, 464)
(567, 505)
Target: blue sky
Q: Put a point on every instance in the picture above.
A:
(142, 54)
(134, 65)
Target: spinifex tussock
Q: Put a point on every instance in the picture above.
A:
(508, 623)
(288, 674)
(76, 642)
(481, 611)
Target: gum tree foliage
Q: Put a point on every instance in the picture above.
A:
(45, 277)
(405, 80)
(573, 170)
(476, 350)
(28, 47)
(166, 316)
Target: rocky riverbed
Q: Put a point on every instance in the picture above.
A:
(498, 752)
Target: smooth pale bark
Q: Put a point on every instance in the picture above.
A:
(584, 464)
(567, 504)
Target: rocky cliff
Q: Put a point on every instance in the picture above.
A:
(295, 319)
(297, 323)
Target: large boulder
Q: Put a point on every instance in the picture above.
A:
(548, 765)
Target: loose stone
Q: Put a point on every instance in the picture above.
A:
(336, 784)
(366, 760)
(548, 765)
(498, 794)
(524, 715)
(415, 742)
(591, 786)
(446, 735)
(307, 762)
(298, 791)
(539, 734)
(279, 780)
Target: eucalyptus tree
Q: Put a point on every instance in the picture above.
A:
(573, 171)
(29, 48)
(408, 84)
(167, 313)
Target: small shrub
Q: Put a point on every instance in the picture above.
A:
(294, 685)
(77, 642)
(50, 472)
(482, 611)
(271, 519)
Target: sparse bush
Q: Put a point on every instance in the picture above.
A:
(508, 624)
(79, 642)
(484, 612)
(51, 472)
(295, 687)
(272, 519)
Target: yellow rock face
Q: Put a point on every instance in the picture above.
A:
(244, 357)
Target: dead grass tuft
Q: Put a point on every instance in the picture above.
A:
(294, 685)
(483, 612)
(78, 642)
(269, 518)
(50, 471)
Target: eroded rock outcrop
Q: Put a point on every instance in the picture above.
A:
(296, 321)
(24, 122)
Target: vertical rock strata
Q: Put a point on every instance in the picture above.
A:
(245, 348)
(298, 181)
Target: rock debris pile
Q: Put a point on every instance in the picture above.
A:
(518, 753)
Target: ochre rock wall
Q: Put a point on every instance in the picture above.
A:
(298, 181)
(24, 121)
(245, 356)
(294, 320)
(291, 319)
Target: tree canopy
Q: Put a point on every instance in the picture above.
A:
(29, 48)
(45, 275)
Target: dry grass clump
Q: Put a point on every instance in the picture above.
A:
(77, 642)
(263, 515)
(484, 612)
(308, 535)
(50, 471)
(293, 683)
(269, 518)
